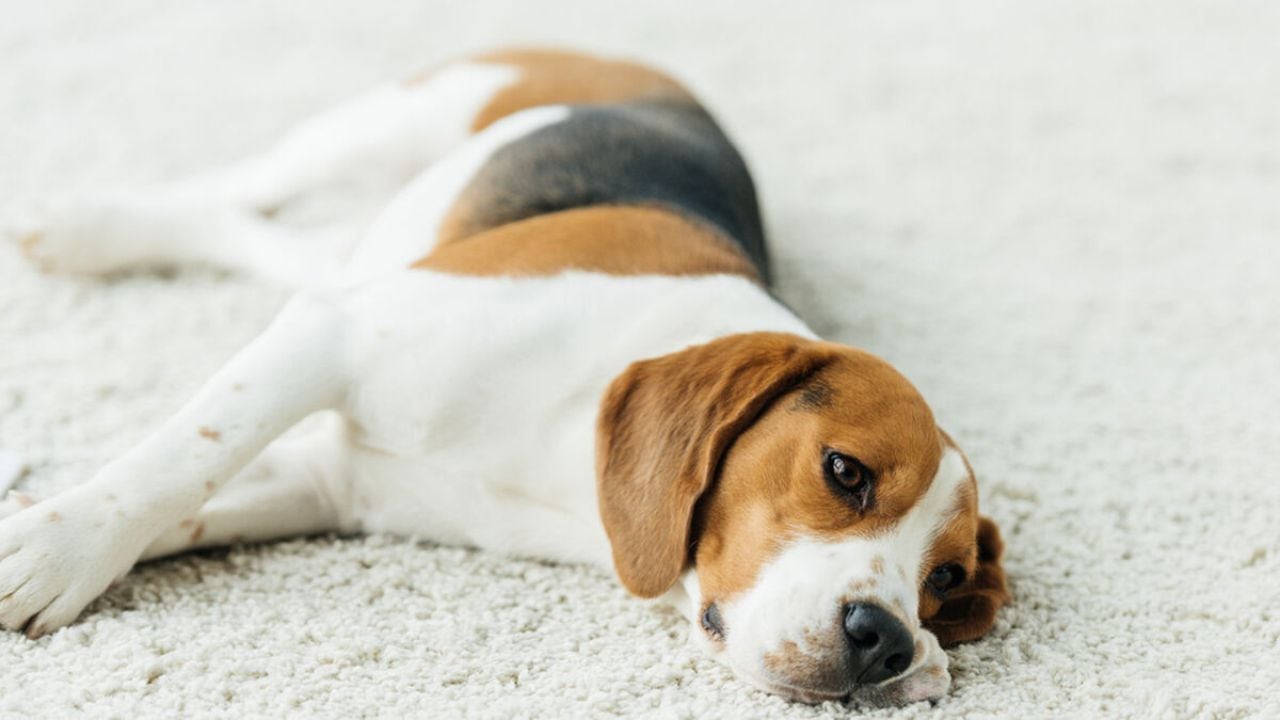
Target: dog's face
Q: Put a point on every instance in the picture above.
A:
(831, 527)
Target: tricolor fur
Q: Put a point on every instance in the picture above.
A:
(553, 337)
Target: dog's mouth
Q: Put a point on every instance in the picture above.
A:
(888, 693)
(883, 695)
(791, 691)
(809, 696)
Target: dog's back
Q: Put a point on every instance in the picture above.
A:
(637, 161)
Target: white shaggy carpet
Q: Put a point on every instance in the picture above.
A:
(1062, 220)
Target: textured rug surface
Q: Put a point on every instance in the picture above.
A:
(1062, 221)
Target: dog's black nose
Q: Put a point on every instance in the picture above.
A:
(880, 644)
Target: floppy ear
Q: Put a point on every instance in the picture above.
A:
(970, 613)
(664, 426)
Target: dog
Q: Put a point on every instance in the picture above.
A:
(555, 338)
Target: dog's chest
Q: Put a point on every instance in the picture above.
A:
(475, 399)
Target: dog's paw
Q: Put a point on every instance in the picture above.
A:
(80, 235)
(58, 555)
(20, 226)
(67, 235)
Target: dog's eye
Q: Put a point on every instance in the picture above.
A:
(850, 479)
(945, 577)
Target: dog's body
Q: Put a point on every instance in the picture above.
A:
(555, 340)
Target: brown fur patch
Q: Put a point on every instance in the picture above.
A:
(54, 517)
(619, 240)
(210, 434)
(772, 481)
(197, 533)
(550, 77)
(954, 543)
(970, 611)
(662, 429)
(974, 543)
(811, 666)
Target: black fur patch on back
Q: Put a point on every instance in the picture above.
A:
(670, 154)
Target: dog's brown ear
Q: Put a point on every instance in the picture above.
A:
(971, 612)
(664, 426)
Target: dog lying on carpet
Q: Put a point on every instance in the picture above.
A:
(555, 339)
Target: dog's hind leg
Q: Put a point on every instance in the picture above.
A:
(123, 231)
(290, 213)
(58, 555)
(371, 145)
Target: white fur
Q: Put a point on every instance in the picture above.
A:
(374, 143)
(490, 388)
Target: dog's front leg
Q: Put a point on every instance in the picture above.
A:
(58, 555)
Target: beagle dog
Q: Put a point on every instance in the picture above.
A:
(553, 337)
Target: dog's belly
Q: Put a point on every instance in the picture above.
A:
(549, 516)
(474, 403)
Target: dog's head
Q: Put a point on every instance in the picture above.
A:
(825, 529)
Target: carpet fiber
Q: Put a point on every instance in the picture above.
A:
(1060, 220)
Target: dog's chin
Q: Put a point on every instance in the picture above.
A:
(807, 695)
(927, 684)
(794, 693)
(928, 680)
(905, 692)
